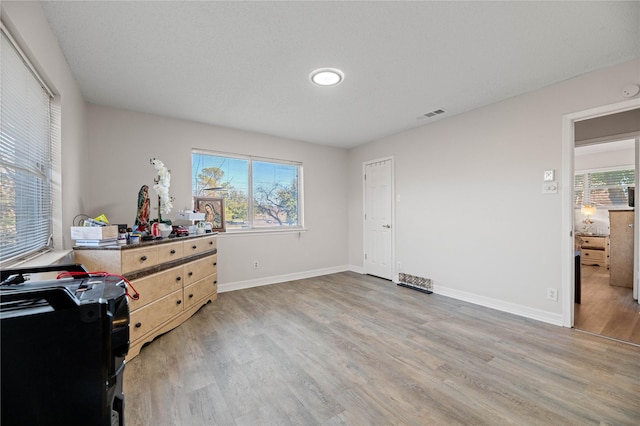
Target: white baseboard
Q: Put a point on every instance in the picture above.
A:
(356, 269)
(239, 285)
(500, 305)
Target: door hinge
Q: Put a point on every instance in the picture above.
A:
(365, 177)
(365, 256)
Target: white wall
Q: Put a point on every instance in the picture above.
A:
(122, 142)
(28, 25)
(471, 214)
(605, 158)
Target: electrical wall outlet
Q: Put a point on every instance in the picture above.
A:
(552, 294)
(630, 90)
(256, 264)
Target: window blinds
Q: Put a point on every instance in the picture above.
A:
(25, 158)
(603, 188)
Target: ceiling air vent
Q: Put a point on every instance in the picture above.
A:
(431, 114)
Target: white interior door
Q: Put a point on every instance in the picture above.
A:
(378, 218)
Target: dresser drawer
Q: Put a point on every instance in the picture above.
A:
(201, 289)
(195, 271)
(156, 286)
(199, 245)
(598, 243)
(147, 318)
(174, 276)
(593, 256)
(169, 252)
(140, 258)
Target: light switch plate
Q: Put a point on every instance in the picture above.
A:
(550, 187)
(549, 175)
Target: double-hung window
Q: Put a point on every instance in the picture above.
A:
(258, 193)
(604, 188)
(25, 158)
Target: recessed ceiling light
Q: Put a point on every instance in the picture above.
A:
(326, 76)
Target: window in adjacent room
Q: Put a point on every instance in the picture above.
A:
(26, 150)
(604, 188)
(259, 193)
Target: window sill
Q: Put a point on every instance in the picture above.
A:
(252, 232)
(52, 257)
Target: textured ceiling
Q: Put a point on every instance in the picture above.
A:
(245, 65)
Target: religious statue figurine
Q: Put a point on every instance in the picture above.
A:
(142, 218)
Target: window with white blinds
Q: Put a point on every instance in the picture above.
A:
(606, 189)
(25, 158)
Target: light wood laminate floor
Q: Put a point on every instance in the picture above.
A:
(357, 350)
(605, 309)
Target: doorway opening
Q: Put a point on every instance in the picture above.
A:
(604, 173)
(571, 130)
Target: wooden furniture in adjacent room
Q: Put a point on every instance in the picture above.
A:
(175, 277)
(621, 247)
(594, 248)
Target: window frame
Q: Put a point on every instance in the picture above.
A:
(251, 228)
(50, 234)
(586, 191)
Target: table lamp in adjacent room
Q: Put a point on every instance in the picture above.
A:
(588, 210)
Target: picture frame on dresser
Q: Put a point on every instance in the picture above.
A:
(213, 209)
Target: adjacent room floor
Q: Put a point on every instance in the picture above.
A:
(605, 309)
(350, 349)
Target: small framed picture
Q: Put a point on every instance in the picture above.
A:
(213, 209)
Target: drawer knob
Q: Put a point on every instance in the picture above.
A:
(194, 246)
(143, 258)
(191, 296)
(210, 243)
(179, 302)
(215, 282)
(215, 263)
(190, 274)
(172, 252)
(178, 278)
(138, 324)
(586, 254)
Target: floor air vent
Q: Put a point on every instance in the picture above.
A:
(416, 283)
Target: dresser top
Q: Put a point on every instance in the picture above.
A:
(156, 241)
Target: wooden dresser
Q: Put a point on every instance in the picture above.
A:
(621, 226)
(174, 276)
(594, 248)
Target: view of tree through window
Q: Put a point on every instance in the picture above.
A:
(603, 188)
(258, 193)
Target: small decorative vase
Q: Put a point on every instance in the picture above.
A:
(165, 229)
